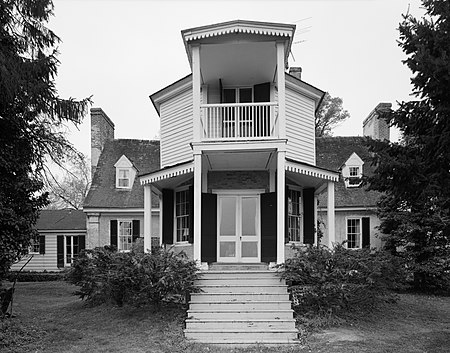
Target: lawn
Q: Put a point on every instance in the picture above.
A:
(50, 319)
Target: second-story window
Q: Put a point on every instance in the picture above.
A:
(354, 179)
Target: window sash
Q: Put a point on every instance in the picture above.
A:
(182, 211)
(294, 215)
(35, 246)
(123, 179)
(354, 233)
(125, 235)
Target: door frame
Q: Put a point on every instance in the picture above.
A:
(240, 193)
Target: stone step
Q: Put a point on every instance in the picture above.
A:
(239, 274)
(229, 314)
(242, 305)
(239, 267)
(239, 281)
(232, 297)
(244, 336)
(260, 324)
(243, 288)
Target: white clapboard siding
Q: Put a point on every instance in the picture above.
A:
(41, 262)
(300, 127)
(176, 129)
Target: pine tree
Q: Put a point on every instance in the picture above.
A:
(414, 174)
(31, 116)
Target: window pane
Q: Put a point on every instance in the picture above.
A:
(245, 95)
(249, 249)
(227, 249)
(228, 216)
(249, 205)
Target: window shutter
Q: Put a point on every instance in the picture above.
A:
(113, 232)
(60, 250)
(42, 244)
(365, 232)
(268, 206)
(81, 243)
(308, 216)
(136, 229)
(167, 216)
(209, 228)
(191, 214)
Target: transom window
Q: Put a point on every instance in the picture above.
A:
(294, 215)
(353, 233)
(123, 180)
(125, 240)
(182, 215)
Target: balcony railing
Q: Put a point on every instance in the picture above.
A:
(239, 121)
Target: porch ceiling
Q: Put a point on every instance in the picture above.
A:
(248, 160)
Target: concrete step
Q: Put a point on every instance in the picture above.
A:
(233, 297)
(243, 305)
(241, 281)
(259, 324)
(239, 274)
(235, 336)
(239, 267)
(229, 314)
(243, 288)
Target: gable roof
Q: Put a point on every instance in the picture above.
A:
(66, 219)
(144, 155)
(332, 153)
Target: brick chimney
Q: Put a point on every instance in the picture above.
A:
(102, 130)
(374, 126)
(296, 72)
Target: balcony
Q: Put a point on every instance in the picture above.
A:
(239, 121)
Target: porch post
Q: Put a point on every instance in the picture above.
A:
(281, 91)
(316, 224)
(281, 161)
(160, 218)
(330, 215)
(196, 84)
(197, 205)
(147, 218)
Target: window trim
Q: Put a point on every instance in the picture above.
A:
(353, 177)
(301, 215)
(118, 178)
(35, 243)
(360, 233)
(73, 255)
(175, 223)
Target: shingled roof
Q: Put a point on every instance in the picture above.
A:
(103, 193)
(332, 153)
(65, 219)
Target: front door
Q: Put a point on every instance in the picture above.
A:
(238, 228)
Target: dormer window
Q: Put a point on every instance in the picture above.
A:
(125, 173)
(352, 171)
(123, 178)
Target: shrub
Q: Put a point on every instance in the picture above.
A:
(328, 282)
(135, 278)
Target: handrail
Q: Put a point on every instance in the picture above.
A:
(225, 105)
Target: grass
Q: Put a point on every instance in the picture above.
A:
(50, 319)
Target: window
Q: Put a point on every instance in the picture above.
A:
(353, 233)
(125, 239)
(294, 215)
(34, 245)
(182, 215)
(71, 248)
(354, 178)
(123, 180)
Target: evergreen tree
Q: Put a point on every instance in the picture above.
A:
(414, 174)
(31, 116)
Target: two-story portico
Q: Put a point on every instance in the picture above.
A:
(238, 180)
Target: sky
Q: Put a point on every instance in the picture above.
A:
(120, 52)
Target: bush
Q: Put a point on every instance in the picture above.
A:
(135, 278)
(329, 283)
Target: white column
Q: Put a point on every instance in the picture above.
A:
(281, 91)
(197, 205)
(281, 161)
(196, 84)
(160, 218)
(330, 215)
(147, 218)
(316, 224)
